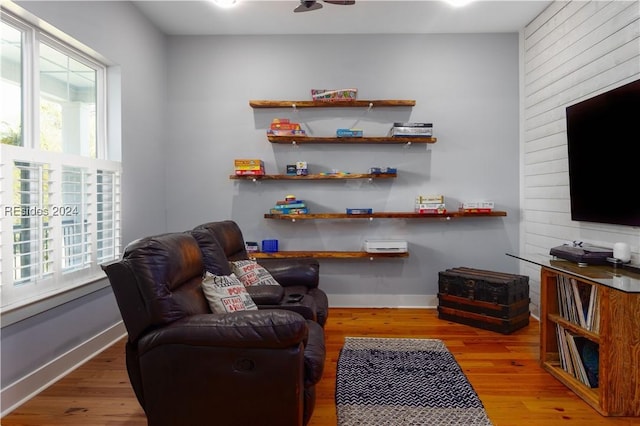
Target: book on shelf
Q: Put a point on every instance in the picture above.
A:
(595, 312)
(297, 205)
(578, 367)
(411, 131)
(577, 302)
(285, 126)
(260, 172)
(565, 299)
(286, 132)
(581, 296)
(296, 210)
(560, 295)
(411, 124)
(588, 352)
(578, 356)
(563, 350)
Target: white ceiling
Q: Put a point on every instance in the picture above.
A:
(185, 17)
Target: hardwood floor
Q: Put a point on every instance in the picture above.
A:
(503, 369)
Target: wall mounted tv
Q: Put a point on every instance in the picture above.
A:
(603, 135)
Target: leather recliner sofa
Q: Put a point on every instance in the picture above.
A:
(222, 242)
(189, 366)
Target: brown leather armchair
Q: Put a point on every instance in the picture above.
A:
(189, 366)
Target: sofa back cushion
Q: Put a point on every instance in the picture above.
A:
(166, 271)
(213, 256)
(229, 235)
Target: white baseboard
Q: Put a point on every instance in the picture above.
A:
(20, 391)
(383, 301)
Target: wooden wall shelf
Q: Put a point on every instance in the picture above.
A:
(323, 104)
(382, 215)
(317, 177)
(298, 140)
(326, 255)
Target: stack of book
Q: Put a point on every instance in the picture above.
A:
(284, 127)
(411, 129)
(249, 167)
(578, 302)
(290, 205)
(579, 356)
(430, 204)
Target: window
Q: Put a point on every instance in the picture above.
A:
(59, 191)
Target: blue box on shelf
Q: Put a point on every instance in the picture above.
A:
(359, 211)
(269, 246)
(349, 133)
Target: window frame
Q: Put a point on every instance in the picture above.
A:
(68, 285)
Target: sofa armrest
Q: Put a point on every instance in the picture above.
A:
(293, 272)
(273, 297)
(305, 306)
(270, 329)
(266, 294)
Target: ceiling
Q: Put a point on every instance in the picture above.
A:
(256, 17)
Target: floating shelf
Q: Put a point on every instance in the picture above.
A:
(326, 255)
(297, 140)
(382, 215)
(325, 104)
(317, 177)
(568, 325)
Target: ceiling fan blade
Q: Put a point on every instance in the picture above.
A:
(306, 6)
(341, 2)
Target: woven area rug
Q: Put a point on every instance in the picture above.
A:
(389, 381)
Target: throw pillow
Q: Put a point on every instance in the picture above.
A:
(252, 273)
(225, 293)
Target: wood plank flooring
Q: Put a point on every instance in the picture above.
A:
(503, 369)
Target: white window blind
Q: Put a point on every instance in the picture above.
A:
(32, 231)
(59, 192)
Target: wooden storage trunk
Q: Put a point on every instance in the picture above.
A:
(489, 300)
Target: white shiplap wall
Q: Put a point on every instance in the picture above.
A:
(571, 51)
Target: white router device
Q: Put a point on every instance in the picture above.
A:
(385, 246)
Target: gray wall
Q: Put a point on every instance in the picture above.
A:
(34, 350)
(573, 51)
(467, 85)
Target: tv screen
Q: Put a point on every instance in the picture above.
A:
(603, 135)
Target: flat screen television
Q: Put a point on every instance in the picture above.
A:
(603, 136)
